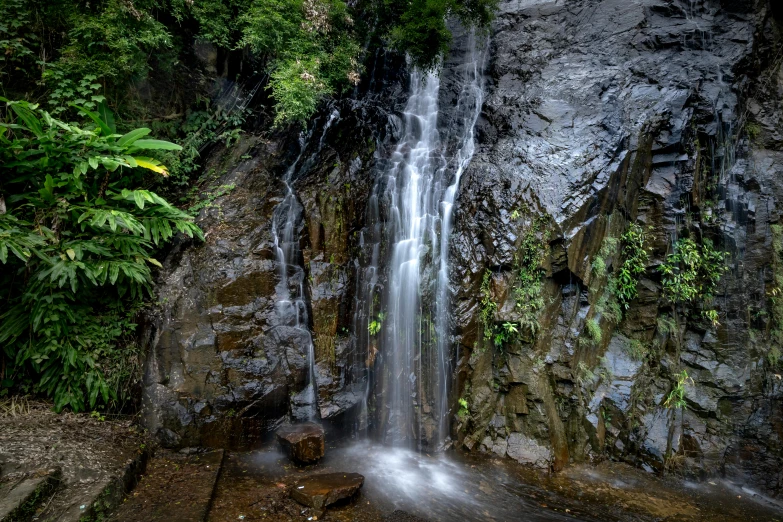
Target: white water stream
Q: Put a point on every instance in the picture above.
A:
(418, 191)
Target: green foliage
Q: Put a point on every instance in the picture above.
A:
(753, 130)
(594, 331)
(17, 41)
(637, 350)
(620, 287)
(692, 272)
(488, 307)
(464, 410)
(776, 297)
(607, 251)
(506, 333)
(201, 128)
(528, 287)
(676, 397)
(635, 257)
(375, 325)
(584, 375)
(419, 27)
(313, 47)
(77, 241)
(666, 325)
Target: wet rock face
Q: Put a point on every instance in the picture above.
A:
(600, 114)
(226, 362)
(597, 114)
(304, 443)
(320, 491)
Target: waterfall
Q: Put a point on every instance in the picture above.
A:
(406, 316)
(290, 304)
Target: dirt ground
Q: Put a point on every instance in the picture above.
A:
(89, 451)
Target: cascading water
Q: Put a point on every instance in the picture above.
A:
(406, 315)
(290, 304)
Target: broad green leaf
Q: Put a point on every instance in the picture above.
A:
(105, 113)
(128, 138)
(156, 145)
(138, 198)
(27, 116)
(105, 129)
(151, 164)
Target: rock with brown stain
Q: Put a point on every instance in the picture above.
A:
(304, 443)
(320, 491)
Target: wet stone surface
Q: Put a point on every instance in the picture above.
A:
(320, 491)
(304, 443)
(175, 487)
(401, 485)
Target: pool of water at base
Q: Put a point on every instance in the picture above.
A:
(459, 487)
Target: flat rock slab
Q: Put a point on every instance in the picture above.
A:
(19, 500)
(175, 488)
(304, 443)
(319, 491)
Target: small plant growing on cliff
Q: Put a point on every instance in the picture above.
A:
(635, 256)
(608, 250)
(584, 375)
(692, 272)
(594, 331)
(488, 306)
(776, 296)
(712, 317)
(505, 333)
(528, 288)
(676, 397)
(464, 410)
(637, 350)
(375, 325)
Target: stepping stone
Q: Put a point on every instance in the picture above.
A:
(304, 443)
(21, 499)
(319, 491)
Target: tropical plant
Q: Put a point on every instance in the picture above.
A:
(634, 264)
(77, 241)
(692, 272)
(676, 397)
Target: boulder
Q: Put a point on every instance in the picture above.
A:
(304, 443)
(319, 491)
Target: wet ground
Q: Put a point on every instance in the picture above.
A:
(454, 487)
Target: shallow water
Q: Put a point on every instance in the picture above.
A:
(457, 487)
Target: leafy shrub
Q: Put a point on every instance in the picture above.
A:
(488, 307)
(77, 239)
(634, 264)
(692, 272)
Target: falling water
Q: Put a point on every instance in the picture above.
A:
(408, 314)
(468, 108)
(290, 304)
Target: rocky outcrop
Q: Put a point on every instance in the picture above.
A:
(598, 114)
(601, 114)
(225, 363)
